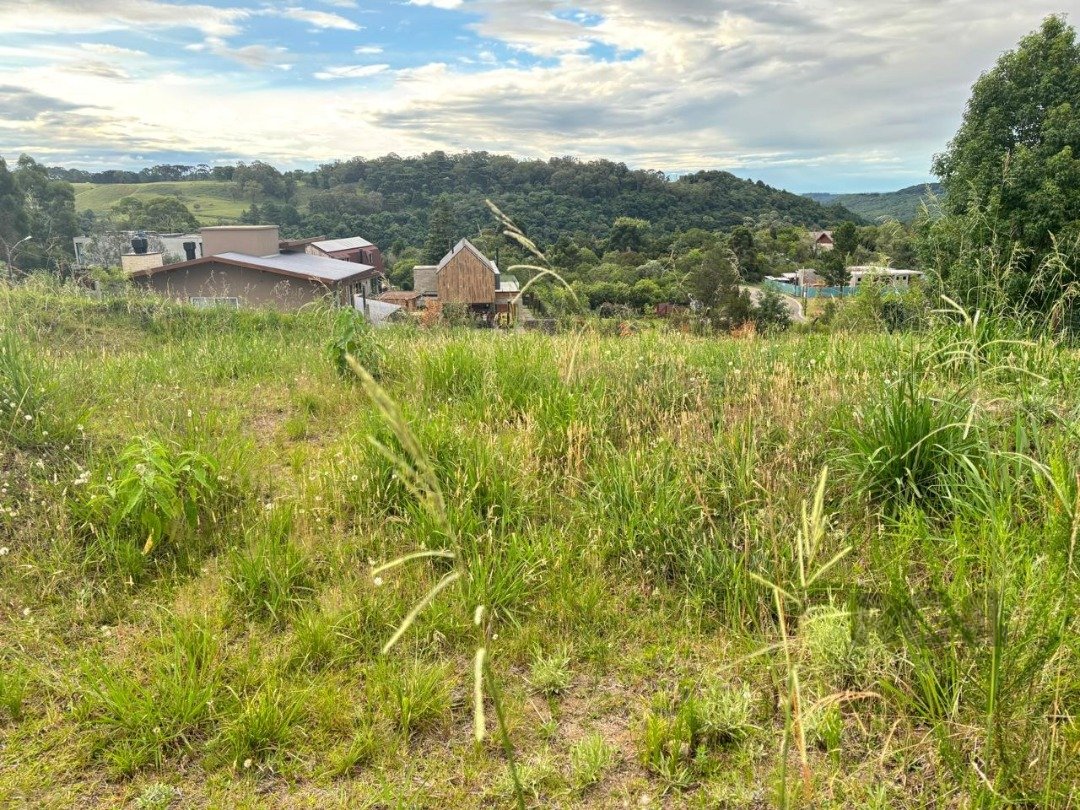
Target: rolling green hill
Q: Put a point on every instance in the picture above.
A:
(389, 198)
(902, 205)
(212, 202)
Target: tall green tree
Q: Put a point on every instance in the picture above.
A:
(441, 231)
(13, 222)
(834, 268)
(845, 239)
(1016, 156)
(746, 254)
(49, 207)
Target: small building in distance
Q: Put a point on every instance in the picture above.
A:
(244, 266)
(890, 276)
(354, 249)
(408, 300)
(822, 240)
(466, 276)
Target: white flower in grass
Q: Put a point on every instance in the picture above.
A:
(378, 581)
(26, 612)
(4, 551)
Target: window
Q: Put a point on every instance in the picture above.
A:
(205, 302)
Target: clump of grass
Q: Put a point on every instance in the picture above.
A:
(157, 796)
(825, 727)
(263, 724)
(910, 446)
(142, 717)
(836, 657)
(534, 779)
(682, 731)
(590, 757)
(30, 415)
(321, 640)
(270, 577)
(416, 697)
(364, 747)
(14, 680)
(550, 674)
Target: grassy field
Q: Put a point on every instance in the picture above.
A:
(810, 570)
(212, 202)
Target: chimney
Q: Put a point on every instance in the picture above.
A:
(139, 245)
(189, 251)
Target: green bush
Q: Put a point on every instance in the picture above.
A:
(354, 337)
(152, 498)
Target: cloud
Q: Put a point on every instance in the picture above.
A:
(83, 16)
(21, 104)
(364, 50)
(443, 4)
(351, 72)
(319, 19)
(97, 68)
(341, 3)
(254, 56)
(112, 50)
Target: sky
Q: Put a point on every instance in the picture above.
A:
(808, 95)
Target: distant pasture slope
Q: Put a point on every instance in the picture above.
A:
(212, 202)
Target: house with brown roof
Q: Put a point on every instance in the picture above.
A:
(822, 240)
(244, 266)
(466, 276)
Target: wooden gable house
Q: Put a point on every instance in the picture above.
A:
(467, 276)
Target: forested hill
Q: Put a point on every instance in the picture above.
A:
(388, 199)
(902, 205)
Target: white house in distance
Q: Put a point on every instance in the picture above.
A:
(889, 276)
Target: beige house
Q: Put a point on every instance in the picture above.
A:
(246, 269)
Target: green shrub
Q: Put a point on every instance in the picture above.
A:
(152, 498)
(354, 337)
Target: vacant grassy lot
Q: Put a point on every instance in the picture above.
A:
(191, 507)
(212, 202)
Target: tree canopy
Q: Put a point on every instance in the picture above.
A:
(1017, 153)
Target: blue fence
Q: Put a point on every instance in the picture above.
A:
(810, 292)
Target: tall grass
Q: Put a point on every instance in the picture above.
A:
(675, 601)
